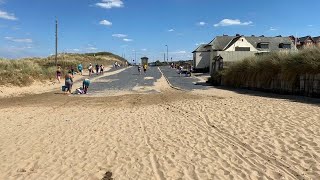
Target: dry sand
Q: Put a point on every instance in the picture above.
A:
(214, 134)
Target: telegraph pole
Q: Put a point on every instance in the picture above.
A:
(56, 56)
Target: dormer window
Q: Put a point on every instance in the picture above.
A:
(285, 46)
(263, 45)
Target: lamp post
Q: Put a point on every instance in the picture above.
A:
(167, 53)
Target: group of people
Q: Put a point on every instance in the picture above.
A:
(69, 77)
(99, 69)
(116, 65)
(144, 68)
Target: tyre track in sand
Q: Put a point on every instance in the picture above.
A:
(221, 133)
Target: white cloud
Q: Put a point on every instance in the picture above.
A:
(105, 23)
(144, 49)
(92, 48)
(201, 23)
(19, 40)
(170, 30)
(5, 15)
(127, 40)
(198, 44)
(310, 25)
(180, 52)
(119, 35)
(273, 29)
(232, 22)
(108, 4)
(76, 50)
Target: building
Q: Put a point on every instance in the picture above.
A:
(306, 41)
(228, 49)
(201, 57)
(144, 61)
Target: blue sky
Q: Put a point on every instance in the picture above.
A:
(144, 27)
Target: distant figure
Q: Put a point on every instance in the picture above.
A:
(101, 69)
(145, 68)
(139, 69)
(58, 73)
(85, 85)
(72, 70)
(97, 68)
(80, 68)
(180, 70)
(90, 69)
(69, 82)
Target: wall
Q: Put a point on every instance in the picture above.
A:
(230, 56)
(242, 42)
(201, 59)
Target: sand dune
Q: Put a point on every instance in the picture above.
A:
(216, 134)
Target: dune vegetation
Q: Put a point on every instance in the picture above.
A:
(24, 72)
(263, 71)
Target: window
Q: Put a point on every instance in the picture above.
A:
(285, 46)
(263, 45)
(242, 48)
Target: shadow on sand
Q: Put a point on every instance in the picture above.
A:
(292, 98)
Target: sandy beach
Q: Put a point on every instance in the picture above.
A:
(212, 134)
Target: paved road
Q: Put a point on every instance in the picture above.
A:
(130, 79)
(182, 82)
(126, 80)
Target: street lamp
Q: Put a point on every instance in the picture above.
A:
(167, 53)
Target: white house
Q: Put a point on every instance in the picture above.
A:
(226, 49)
(201, 57)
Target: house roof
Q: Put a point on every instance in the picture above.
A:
(303, 39)
(221, 43)
(201, 48)
(274, 42)
(316, 39)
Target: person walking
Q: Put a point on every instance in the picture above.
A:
(58, 73)
(139, 69)
(69, 82)
(80, 68)
(145, 68)
(101, 69)
(90, 69)
(97, 68)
